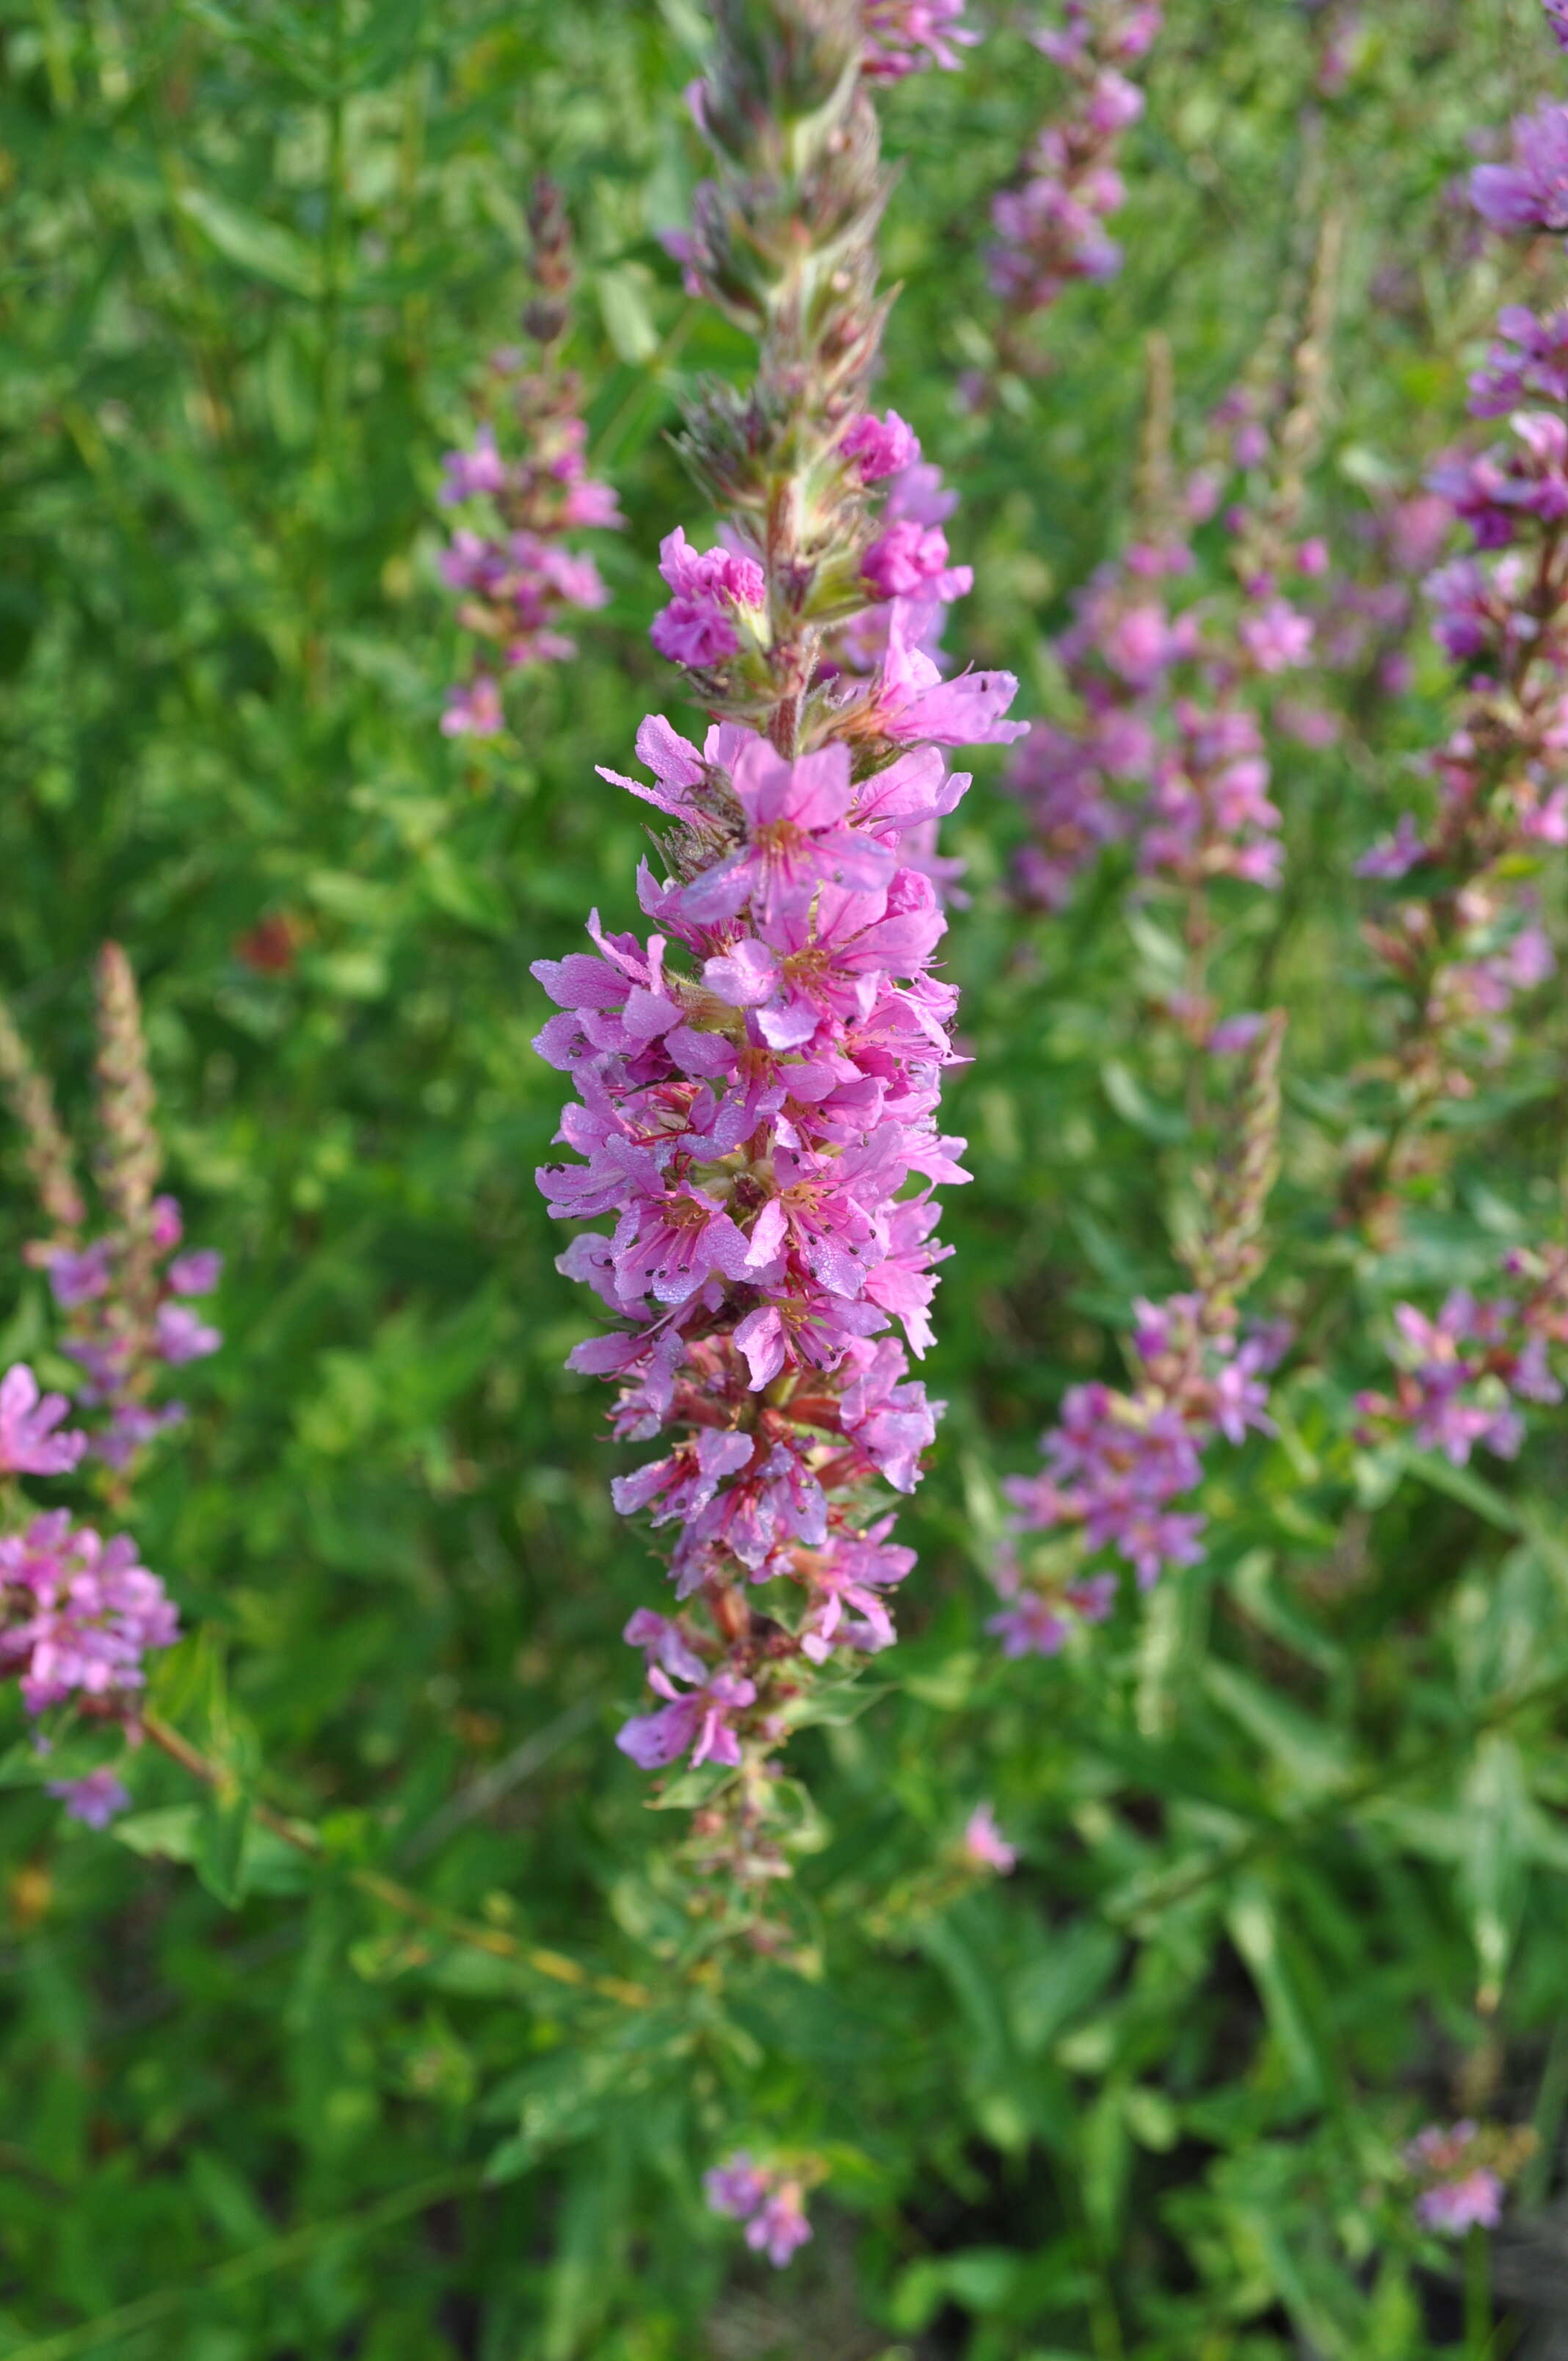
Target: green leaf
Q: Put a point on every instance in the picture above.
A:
(1291, 2000)
(1495, 1818)
(1164, 1124)
(1315, 1757)
(623, 292)
(168, 1834)
(1462, 1483)
(260, 247)
(1043, 1998)
(221, 1833)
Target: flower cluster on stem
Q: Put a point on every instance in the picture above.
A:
(522, 491)
(1463, 939)
(1050, 226)
(1161, 745)
(79, 1612)
(759, 1079)
(769, 2199)
(1462, 2171)
(1119, 1461)
(1460, 1376)
(128, 1291)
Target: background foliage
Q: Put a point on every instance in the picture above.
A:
(1293, 1831)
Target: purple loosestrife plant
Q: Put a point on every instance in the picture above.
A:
(1050, 227)
(1460, 1376)
(127, 1293)
(1179, 673)
(1463, 939)
(759, 1079)
(522, 491)
(1163, 745)
(1119, 1461)
(79, 1612)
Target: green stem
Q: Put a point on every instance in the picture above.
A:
(555, 1965)
(242, 2270)
(1478, 2321)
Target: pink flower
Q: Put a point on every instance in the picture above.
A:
(1461, 2193)
(756, 1119)
(1395, 855)
(77, 1614)
(780, 2226)
(182, 1336)
(984, 1845)
(1473, 2202)
(29, 1444)
(196, 1274)
(697, 626)
(905, 558)
(468, 473)
(95, 1799)
(76, 1279)
(1277, 637)
(913, 702)
(1532, 191)
(769, 2200)
(906, 37)
(474, 710)
(798, 837)
(1050, 228)
(882, 446)
(735, 2187)
(696, 1721)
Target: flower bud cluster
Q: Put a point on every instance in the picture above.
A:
(759, 1079)
(510, 562)
(1460, 1376)
(1050, 227)
(1118, 1462)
